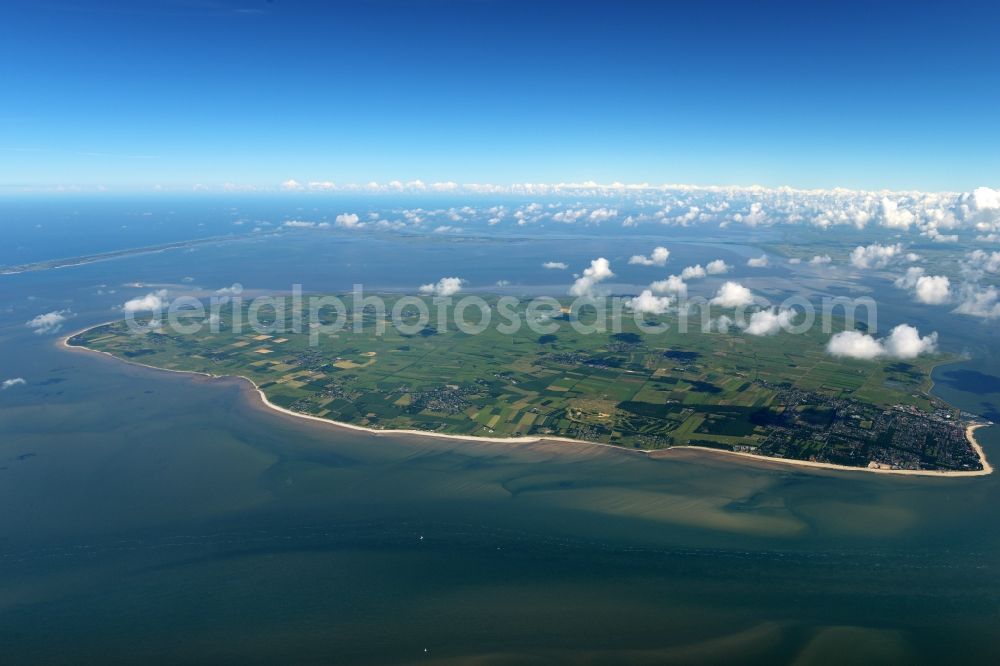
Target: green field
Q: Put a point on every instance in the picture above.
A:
(622, 386)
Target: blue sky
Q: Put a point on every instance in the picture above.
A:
(811, 94)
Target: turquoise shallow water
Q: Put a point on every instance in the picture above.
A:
(158, 517)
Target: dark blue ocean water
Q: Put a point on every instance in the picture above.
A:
(163, 518)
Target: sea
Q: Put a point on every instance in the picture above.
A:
(153, 517)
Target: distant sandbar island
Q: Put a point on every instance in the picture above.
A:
(777, 398)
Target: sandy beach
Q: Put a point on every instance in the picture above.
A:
(658, 453)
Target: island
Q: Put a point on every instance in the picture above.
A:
(775, 397)
(69, 262)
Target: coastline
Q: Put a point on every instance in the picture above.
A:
(83, 260)
(986, 470)
(651, 453)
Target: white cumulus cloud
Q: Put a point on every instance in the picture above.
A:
(984, 261)
(152, 301)
(50, 322)
(598, 271)
(647, 302)
(894, 217)
(693, 272)
(909, 279)
(855, 344)
(933, 289)
(602, 214)
(12, 382)
(722, 324)
(769, 322)
(875, 255)
(555, 265)
(759, 262)
(448, 286)
(930, 289)
(903, 342)
(983, 302)
(322, 185)
(717, 267)
(657, 258)
(302, 224)
(732, 295)
(674, 285)
(349, 221)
